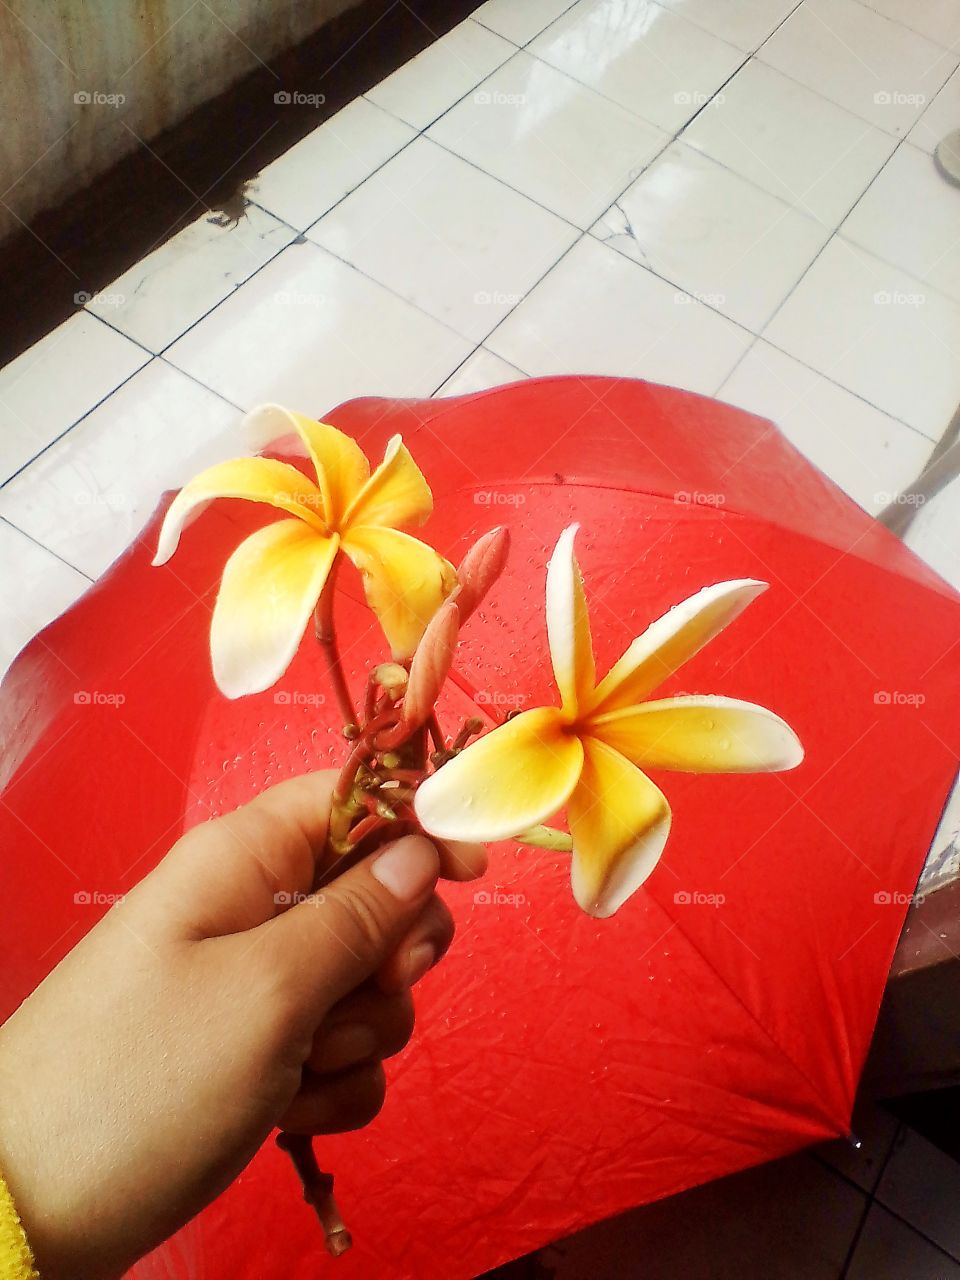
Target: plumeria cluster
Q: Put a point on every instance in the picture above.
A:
(402, 773)
(586, 755)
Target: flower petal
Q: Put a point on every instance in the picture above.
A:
(405, 582)
(396, 494)
(512, 778)
(267, 594)
(568, 626)
(619, 821)
(254, 479)
(342, 469)
(671, 641)
(701, 735)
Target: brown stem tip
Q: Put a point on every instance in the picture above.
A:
(317, 1191)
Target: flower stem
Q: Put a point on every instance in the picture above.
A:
(436, 733)
(317, 1190)
(542, 837)
(327, 637)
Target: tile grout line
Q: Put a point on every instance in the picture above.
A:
(677, 137)
(11, 524)
(946, 48)
(903, 1128)
(869, 1203)
(301, 239)
(86, 413)
(301, 235)
(855, 1241)
(892, 22)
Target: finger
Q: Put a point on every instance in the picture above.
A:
(338, 1103)
(319, 950)
(419, 951)
(368, 1025)
(236, 872)
(460, 860)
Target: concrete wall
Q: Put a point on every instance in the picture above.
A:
(83, 82)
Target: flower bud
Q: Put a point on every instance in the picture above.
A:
(480, 568)
(392, 679)
(430, 665)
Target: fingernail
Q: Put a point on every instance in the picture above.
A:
(407, 868)
(420, 959)
(345, 1045)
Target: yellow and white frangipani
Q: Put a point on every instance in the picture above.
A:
(587, 753)
(272, 582)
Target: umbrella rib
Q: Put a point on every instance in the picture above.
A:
(839, 1128)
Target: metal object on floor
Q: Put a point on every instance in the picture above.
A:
(947, 157)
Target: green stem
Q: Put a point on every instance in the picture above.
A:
(542, 837)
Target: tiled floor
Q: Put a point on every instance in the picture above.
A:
(843, 1210)
(734, 196)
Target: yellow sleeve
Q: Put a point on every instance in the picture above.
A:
(16, 1258)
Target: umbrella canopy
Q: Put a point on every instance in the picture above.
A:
(564, 1068)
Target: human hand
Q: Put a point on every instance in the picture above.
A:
(147, 1069)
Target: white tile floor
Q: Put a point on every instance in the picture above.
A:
(734, 196)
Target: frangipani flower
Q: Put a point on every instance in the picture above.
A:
(588, 753)
(272, 582)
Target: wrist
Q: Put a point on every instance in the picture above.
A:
(16, 1256)
(27, 1164)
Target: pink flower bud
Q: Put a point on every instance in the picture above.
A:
(480, 568)
(430, 665)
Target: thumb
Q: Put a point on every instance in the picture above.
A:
(339, 937)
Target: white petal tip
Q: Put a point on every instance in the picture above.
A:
(567, 537)
(751, 587)
(266, 424)
(597, 910)
(604, 899)
(234, 689)
(166, 546)
(782, 749)
(597, 905)
(236, 681)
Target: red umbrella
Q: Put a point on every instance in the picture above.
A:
(565, 1068)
